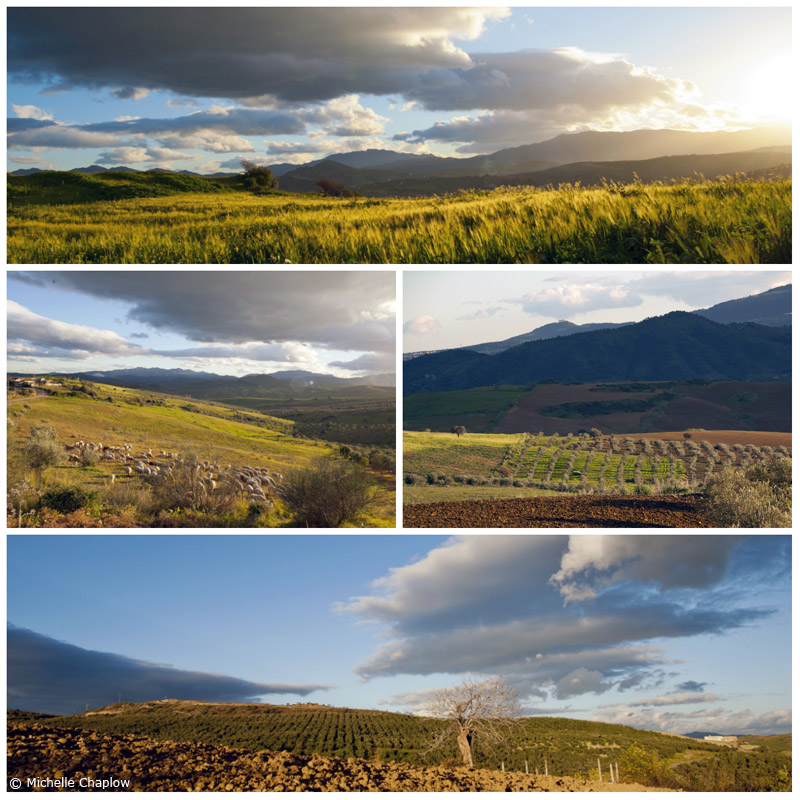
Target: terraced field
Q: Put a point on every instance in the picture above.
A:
(607, 511)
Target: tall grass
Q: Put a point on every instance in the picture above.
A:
(684, 223)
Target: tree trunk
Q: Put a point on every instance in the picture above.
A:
(465, 746)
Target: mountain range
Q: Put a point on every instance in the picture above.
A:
(589, 157)
(210, 384)
(676, 346)
(772, 307)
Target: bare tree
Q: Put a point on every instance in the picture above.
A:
(486, 711)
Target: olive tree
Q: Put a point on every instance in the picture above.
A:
(485, 711)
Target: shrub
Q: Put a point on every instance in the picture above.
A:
(327, 494)
(181, 487)
(410, 480)
(89, 457)
(42, 449)
(736, 499)
(66, 499)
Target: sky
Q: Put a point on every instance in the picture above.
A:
(460, 308)
(666, 632)
(202, 88)
(225, 322)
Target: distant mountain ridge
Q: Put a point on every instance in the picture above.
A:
(156, 379)
(772, 307)
(566, 148)
(676, 346)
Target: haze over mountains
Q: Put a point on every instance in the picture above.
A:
(772, 308)
(589, 157)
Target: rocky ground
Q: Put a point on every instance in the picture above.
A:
(37, 751)
(570, 511)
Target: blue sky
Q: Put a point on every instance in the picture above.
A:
(202, 88)
(665, 632)
(443, 309)
(229, 323)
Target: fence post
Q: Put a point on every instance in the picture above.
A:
(599, 771)
(503, 766)
(545, 767)
(526, 766)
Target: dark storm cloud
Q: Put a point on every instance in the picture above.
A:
(293, 54)
(47, 675)
(495, 604)
(341, 310)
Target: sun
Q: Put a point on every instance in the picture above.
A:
(765, 93)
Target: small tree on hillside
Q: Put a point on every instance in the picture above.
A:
(42, 450)
(458, 430)
(484, 712)
(257, 177)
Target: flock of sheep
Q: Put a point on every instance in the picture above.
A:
(253, 482)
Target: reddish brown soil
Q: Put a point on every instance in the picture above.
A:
(39, 751)
(708, 406)
(756, 438)
(583, 511)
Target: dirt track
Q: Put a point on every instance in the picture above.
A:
(585, 511)
(39, 751)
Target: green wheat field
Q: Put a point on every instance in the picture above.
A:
(706, 222)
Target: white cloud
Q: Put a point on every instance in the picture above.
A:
(47, 334)
(422, 326)
(31, 112)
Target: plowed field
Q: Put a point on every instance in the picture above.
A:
(145, 765)
(602, 511)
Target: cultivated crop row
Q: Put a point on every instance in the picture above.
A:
(596, 463)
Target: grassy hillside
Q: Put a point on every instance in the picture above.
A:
(112, 416)
(615, 408)
(706, 222)
(57, 188)
(569, 747)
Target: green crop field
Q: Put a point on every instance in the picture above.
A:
(130, 222)
(562, 746)
(188, 428)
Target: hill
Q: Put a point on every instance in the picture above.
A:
(312, 734)
(676, 346)
(147, 765)
(569, 745)
(55, 188)
(133, 458)
(773, 307)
